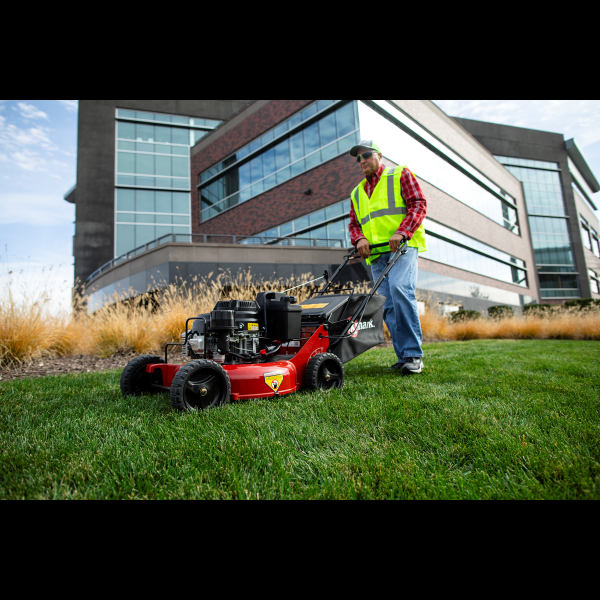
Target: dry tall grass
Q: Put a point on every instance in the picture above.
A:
(28, 330)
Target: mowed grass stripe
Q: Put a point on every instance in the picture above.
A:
(486, 419)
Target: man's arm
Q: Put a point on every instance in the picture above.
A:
(416, 205)
(356, 235)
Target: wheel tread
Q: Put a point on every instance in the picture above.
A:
(177, 386)
(311, 378)
(132, 367)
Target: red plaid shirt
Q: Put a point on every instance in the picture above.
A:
(415, 202)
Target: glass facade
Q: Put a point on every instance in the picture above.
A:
(543, 190)
(289, 150)
(442, 246)
(551, 242)
(452, 286)
(328, 225)
(548, 224)
(152, 183)
(299, 148)
(146, 215)
(476, 191)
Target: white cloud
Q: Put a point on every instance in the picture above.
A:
(23, 146)
(29, 111)
(11, 135)
(70, 105)
(35, 209)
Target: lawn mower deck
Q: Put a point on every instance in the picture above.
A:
(265, 348)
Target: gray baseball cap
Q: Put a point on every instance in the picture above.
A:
(369, 144)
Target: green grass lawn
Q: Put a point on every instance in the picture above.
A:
(486, 419)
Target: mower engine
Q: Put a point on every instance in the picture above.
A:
(244, 331)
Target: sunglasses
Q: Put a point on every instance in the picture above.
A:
(365, 155)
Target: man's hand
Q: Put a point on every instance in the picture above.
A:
(363, 248)
(395, 242)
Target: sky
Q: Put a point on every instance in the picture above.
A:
(38, 147)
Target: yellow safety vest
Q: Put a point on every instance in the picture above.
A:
(381, 214)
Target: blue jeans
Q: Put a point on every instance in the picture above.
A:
(400, 311)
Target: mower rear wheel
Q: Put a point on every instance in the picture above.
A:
(324, 372)
(134, 379)
(199, 385)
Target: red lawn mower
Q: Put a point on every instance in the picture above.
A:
(266, 347)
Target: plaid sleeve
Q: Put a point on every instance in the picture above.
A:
(354, 228)
(415, 202)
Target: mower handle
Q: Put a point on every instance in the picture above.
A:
(347, 258)
(403, 249)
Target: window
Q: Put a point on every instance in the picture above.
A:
(551, 241)
(594, 282)
(328, 226)
(441, 247)
(143, 216)
(595, 244)
(543, 191)
(152, 154)
(447, 286)
(585, 234)
(305, 148)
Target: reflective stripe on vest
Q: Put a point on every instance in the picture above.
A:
(384, 212)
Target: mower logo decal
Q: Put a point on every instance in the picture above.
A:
(314, 305)
(356, 327)
(274, 380)
(252, 326)
(317, 351)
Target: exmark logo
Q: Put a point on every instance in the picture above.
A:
(356, 327)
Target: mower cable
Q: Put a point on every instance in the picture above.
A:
(303, 284)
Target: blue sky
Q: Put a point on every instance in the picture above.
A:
(38, 146)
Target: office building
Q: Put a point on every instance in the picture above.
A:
(270, 191)
(559, 186)
(133, 182)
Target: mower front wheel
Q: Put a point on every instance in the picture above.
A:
(199, 385)
(324, 372)
(134, 379)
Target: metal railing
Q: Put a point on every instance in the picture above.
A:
(217, 238)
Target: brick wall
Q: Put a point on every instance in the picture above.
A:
(330, 182)
(249, 129)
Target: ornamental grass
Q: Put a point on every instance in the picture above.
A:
(29, 329)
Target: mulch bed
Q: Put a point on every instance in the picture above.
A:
(43, 367)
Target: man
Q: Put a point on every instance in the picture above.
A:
(389, 206)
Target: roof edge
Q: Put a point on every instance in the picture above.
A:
(70, 195)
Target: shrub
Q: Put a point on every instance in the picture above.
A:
(535, 309)
(465, 315)
(500, 312)
(582, 303)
